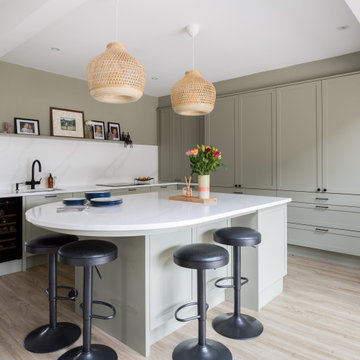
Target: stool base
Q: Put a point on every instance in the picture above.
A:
(97, 352)
(237, 327)
(45, 340)
(191, 350)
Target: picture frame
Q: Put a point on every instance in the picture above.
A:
(114, 131)
(26, 126)
(68, 123)
(98, 129)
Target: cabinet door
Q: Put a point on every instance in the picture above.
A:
(191, 135)
(177, 148)
(341, 129)
(256, 158)
(165, 145)
(220, 131)
(299, 137)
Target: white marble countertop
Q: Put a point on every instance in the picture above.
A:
(81, 188)
(141, 214)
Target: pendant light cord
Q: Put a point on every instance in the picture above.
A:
(193, 52)
(116, 20)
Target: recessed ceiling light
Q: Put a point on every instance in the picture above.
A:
(343, 27)
(154, 78)
(55, 49)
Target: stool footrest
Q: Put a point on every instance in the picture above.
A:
(73, 293)
(246, 280)
(191, 317)
(102, 317)
(224, 286)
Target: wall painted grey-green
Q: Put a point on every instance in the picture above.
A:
(307, 71)
(28, 93)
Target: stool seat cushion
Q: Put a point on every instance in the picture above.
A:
(48, 243)
(237, 236)
(201, 256)
(88, 253)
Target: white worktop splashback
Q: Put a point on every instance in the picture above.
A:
(74, 162)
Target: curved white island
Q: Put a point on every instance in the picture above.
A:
(144, 284)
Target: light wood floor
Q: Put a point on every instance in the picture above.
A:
(316, 318)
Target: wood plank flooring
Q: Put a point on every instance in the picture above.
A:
(316, 318)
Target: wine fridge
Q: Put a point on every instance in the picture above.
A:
(10, 228)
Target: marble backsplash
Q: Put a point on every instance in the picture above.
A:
(74, 162)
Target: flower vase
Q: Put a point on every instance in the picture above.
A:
(204, 186)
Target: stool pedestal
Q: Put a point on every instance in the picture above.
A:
(201, 348)
(54, 336)
(237, 325)
(89, 351)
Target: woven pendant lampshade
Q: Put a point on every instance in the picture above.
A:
(115, 76)
(193, 95)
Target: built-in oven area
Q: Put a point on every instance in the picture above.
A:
(10, 229)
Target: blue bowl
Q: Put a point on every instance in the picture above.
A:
(74, 201)
(97, 194)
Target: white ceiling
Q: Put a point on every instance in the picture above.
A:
(237, 37)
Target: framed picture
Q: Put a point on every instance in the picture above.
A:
(66, 122)
(114, 131)
(27, 126)
(98, 129)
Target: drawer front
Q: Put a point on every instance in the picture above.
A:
(332, 216)
(163, 188)
(346, 242)
(321, 198)
(32, 201)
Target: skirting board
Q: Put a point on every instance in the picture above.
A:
(326, 256)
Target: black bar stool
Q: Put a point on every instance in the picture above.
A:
(54, 336)
(89, 253)
(200, 257)
(237, 325)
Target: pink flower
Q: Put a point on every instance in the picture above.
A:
(188, 152)
(217, 154)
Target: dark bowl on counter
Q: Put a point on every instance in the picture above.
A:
(97, 194)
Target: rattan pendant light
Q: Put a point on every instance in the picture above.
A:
(115, 76)
(193, 95)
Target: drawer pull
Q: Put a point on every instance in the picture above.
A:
(238, 192)
(132, 189)
(50, 196)
(321, 230)
(322, 199)
(321, 207)
(163, 187)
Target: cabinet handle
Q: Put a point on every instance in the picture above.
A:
(321, 230)
(318, 189)
(324, 190)
(163, 187)
(321, 207)
(131, 189)
(238, 192)
(50, 196)
(322, 199)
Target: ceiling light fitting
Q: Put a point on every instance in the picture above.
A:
(115, 76)
(193, 95)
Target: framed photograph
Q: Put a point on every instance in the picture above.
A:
(65, 122)
(27, 126)
(114, 131)
(98, 129)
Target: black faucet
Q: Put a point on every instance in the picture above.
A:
(32, 182)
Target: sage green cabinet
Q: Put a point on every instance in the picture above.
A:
(299, 151)
(256, 141)
(177, 134)
(221, 128)
(341, 130)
